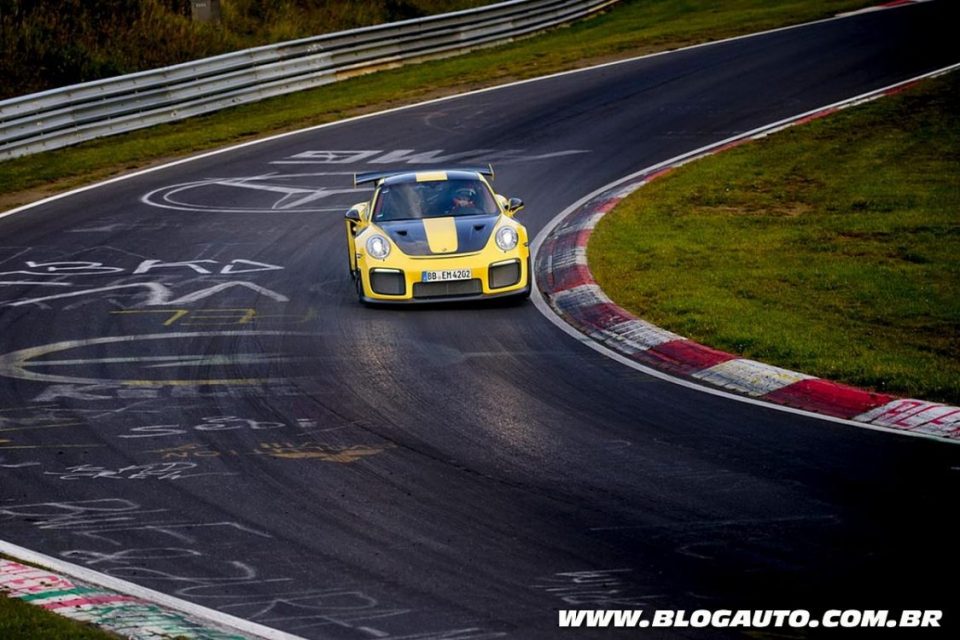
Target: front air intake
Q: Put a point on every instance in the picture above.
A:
(388, 282)
(423, 290)
(505, 274)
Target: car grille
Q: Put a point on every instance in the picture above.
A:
(388, 283)
(504, 275)
(446, 289)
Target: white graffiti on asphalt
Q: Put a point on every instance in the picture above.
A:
(431, 157)
(91, 268)
(129, 541)
(323, 191)
(224, 423)
(156, 470)
(148, 293)
(271, 192)
(143, 367)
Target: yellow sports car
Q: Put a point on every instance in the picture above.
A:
(429, 236)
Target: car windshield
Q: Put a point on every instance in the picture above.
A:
(434, 199)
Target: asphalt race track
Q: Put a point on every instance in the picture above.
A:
(193, 399)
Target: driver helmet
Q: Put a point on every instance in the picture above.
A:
(464, 197)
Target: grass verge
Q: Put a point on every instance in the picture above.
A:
(634, 27)
(832, 248)
(22, 621)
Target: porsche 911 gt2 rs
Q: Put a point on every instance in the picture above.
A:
(433, 236)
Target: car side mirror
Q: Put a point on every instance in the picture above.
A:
(514, 205)
(353, 215)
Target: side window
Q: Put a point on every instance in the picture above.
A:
(378, 206)
(487, 202)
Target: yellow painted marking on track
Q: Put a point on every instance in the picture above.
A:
(343, 456)
(441, 234)
(201, 382)
(39, 406)
(42, 426)
(278, 450)
(175, 314)
(49, 446)
(431, 176)
(222, 316)
(211, 317)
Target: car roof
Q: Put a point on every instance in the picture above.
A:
(424, 175)
(430, 176)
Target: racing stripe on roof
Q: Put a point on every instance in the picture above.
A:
(431, 176)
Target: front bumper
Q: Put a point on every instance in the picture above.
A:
(491, 277)
(523, 292)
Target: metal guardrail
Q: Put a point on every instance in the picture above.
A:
(73, 114)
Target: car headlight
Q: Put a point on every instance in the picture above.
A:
(507, 238)
(378, 247)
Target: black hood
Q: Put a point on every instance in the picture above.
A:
(410, 236)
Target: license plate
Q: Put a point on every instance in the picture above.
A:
(445, 275)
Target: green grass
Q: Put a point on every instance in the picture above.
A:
(632, 28)
(22, 621)
(832, 248)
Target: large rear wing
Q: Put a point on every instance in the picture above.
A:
(376, 176)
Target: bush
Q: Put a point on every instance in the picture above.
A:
(50, 43)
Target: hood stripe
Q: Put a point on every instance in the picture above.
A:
(441, 234)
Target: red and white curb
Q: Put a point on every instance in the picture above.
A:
(124, 608)
(880, 7)
(566, 288)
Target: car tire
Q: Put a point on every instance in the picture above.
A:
(526, 294)
(358, 282)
